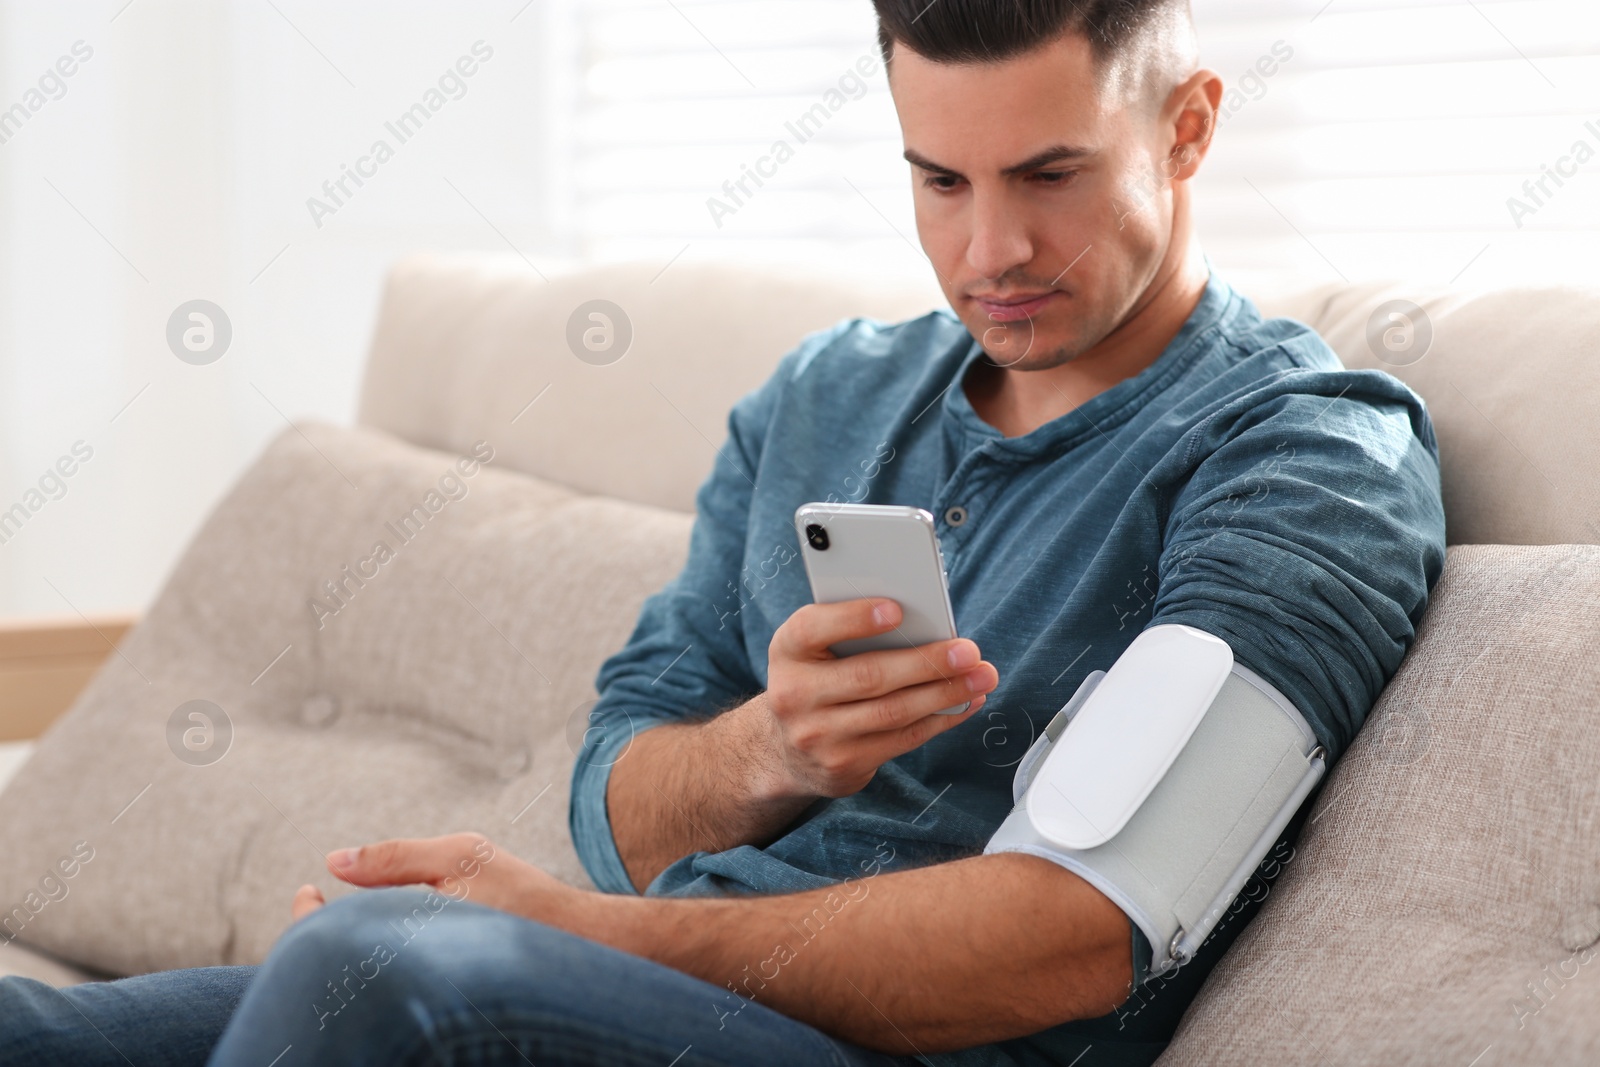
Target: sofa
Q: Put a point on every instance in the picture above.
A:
(392, 629)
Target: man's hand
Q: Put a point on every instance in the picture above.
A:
(458, 866)
(822, 729)
(830, 723)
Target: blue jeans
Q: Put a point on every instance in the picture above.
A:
(401, 978)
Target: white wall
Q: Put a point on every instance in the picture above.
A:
(179, 160)
(177, 165)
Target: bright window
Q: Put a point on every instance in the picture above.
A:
(1365, 138)
(1430, 141)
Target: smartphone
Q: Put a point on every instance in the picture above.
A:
(853, 551)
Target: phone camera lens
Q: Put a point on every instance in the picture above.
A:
(818, 536)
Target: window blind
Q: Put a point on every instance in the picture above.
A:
(1434, 140)
(1406, 140)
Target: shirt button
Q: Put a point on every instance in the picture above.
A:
(955, 515)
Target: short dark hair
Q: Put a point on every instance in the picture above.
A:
(987, 31)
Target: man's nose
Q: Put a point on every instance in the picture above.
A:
(999, 241)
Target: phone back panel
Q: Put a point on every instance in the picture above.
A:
(879, 550)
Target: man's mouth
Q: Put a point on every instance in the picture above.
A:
(1015, 308)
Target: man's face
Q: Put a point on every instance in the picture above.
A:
(1042, 196)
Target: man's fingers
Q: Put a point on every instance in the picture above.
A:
(422, 861)
(875, 674)
(891, 743)
(307, 899)
(807, 633)
(903, 707)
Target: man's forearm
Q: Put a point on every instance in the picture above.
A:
(692, 787)
(932, 959)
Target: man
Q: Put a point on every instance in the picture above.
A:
(1111, 439)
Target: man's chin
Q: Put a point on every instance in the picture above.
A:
(1007, 344)
(1016, 346)
(1043, 360)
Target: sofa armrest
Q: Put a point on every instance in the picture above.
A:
(45, 664)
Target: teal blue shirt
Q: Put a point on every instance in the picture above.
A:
(1245, 483)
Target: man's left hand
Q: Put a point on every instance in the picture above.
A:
(460, 866)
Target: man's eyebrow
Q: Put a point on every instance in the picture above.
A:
(1054, 154)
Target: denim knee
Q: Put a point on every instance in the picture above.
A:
(333, 959)
(349, 923)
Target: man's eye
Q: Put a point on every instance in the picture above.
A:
(944, 183)
(1055, 177)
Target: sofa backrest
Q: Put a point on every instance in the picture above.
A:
(464, 346)
(1512, 379)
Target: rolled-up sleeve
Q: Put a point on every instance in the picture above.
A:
(686, 657)
(1309, 537)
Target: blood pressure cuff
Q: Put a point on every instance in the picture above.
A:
(1163, 783)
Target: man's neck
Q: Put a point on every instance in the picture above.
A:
(1017, 402)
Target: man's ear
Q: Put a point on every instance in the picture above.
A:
(1193, 110)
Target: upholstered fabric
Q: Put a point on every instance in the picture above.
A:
(1511, 379)
(464, 346)
(1444, 899)
(449, 692)
(16, 959)
(13, 754)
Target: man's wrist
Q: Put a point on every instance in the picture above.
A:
(748, 732)
(578, 911)
(638, 925)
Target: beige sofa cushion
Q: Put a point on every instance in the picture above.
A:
(438, 698)
(1445, 899)
(1511, 379)
(464, 344)
(19, 961)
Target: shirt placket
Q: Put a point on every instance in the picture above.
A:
(961, 504)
